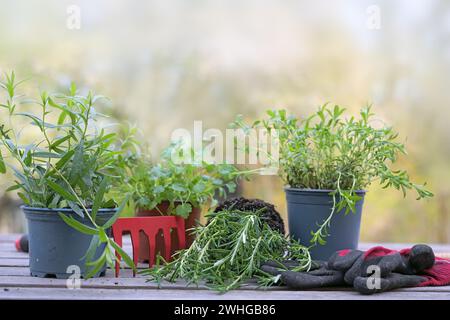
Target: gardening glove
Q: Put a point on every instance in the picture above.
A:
(365, 285)
(420, 268)
(356, 263)
(395, 269)
(380, 269)
(318, 276)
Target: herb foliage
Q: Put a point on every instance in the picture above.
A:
(229, 250)
(70, 163)
(328, 151)
(183, 185)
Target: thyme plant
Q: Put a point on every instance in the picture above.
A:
(70, 163)
(328, 151)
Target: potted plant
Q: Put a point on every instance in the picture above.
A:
(171, 188)
(327, 162)
(62, 177)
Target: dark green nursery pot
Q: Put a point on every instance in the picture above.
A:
(308, 208)
(55, 248)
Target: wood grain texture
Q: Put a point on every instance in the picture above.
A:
(142, 284)
(125, 294)
(16, 283)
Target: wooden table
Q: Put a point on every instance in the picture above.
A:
(16, 283)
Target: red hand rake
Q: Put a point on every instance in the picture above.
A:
(151, 227)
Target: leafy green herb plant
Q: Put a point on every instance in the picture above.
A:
(229, 250)
(183, 185)
(70, 163)
(328, 151)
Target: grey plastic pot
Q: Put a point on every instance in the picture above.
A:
(56, 249)
(308, 208)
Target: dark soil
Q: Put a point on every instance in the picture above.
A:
(270, 215)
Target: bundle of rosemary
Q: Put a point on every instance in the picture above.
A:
(229, 250)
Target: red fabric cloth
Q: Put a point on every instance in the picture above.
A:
(437, 275)
(343, 253)
(378, 252)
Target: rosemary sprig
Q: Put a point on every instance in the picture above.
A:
(228, 251)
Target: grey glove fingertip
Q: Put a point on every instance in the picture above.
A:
(305, 280)
(274, 271)
(370, 285)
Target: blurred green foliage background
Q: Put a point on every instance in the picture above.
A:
(165, 64)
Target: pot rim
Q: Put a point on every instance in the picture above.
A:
(67, 210)
(327, 191)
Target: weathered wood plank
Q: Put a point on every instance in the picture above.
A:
(9, 237)
(25, 271)
(24, 262)
(7, 245)
(16, 283)
(10, 251)
(141, 283)
(124, 294)
(14, 271)
(13, 262)
(12, 256)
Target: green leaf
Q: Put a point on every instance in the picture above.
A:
(64, 159)
(73, 88)
(124, 255)
(2, 164)
(183, 210)
(23, 198)
(37, 121)
(116, 215)
(93, 245)
(76, 208)
(96, 266)
(59, 141)
(178, 187)
(44, 154)
(62, 117)
(231, 187)
(71, 221)
(77, 163)
(14, 187)
(102, 235)
(55, 201)
(199, 187)
(61, 191)
(99, 197)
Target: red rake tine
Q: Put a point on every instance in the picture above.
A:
(150, 226)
